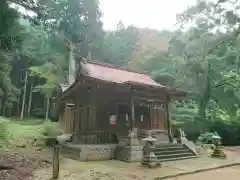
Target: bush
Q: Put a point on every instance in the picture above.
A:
(27, 133)
(38, 112)
(24, 134)
(229, 131)
(206, 138)
(52, 129)
(3, 135)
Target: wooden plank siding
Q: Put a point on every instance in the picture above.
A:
(95, 101)
(68, 120)
(157, 118)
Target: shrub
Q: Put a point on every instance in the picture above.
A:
(3, 135)
(206, 138)
(38, 112)
(52, 129)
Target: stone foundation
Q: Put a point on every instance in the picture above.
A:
(89, 152)
(102, 152)
(129, 153)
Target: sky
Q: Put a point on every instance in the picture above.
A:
(154, 14)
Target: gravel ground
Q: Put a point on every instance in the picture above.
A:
(17, 166)
(89, 174)
(232, 173)
(28, 164)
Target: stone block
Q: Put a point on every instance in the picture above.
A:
(89, 152)
(129, 153)
(97, 152)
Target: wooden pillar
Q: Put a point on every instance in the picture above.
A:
(56, 154)
(168, 117)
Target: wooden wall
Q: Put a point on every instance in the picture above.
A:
(95, 102)
(157, 118)
(68, 120)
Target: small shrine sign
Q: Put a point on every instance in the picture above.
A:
(113, 119)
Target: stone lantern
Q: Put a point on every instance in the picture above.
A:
(149, 158)
(218, 152)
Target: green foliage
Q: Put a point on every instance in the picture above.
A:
(203, 59)
(11, 37)
(3, 134)
(38, 112)
(30, 132)
(206, 138)
(229, 131)
(52, 129)
(78, 21)
(119, 45)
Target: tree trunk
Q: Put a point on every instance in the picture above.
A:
(10, 111)
(24, 95)
(47, 109)
(202, 115)
(18, 106)
(72, 64)
(1, 106)
(204, 102)
(30, 101)
(168, 119)
(4, 111)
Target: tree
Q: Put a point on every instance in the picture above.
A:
(11, 36)
(78, 21)
(48, 71)
(211, 63)
(119, 45)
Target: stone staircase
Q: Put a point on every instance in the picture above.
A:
(172, 152)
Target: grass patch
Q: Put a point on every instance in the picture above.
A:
(29, 132)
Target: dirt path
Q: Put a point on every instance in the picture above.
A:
(232, 173)
(106, 170)
(37, 166)
(18, 166)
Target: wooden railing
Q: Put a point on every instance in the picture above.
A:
(97, 137)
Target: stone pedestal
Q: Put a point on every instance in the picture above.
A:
(131, 151)
(218, 152)
(132, 138)
(149, 158)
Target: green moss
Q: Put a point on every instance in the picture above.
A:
(30, 132)
(3, 135)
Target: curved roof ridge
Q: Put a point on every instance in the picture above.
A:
(113, 66)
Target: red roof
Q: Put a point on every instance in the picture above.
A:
(117, 74)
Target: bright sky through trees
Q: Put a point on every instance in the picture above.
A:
(155, 14)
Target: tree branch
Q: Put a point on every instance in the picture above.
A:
(28, 5)
(223, 82)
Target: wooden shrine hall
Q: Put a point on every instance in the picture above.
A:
(106, 102)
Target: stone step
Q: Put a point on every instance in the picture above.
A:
(170, 152)
(178, 158)
(169, 148)
(167, 151)
(168, 145)
(176, 155)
